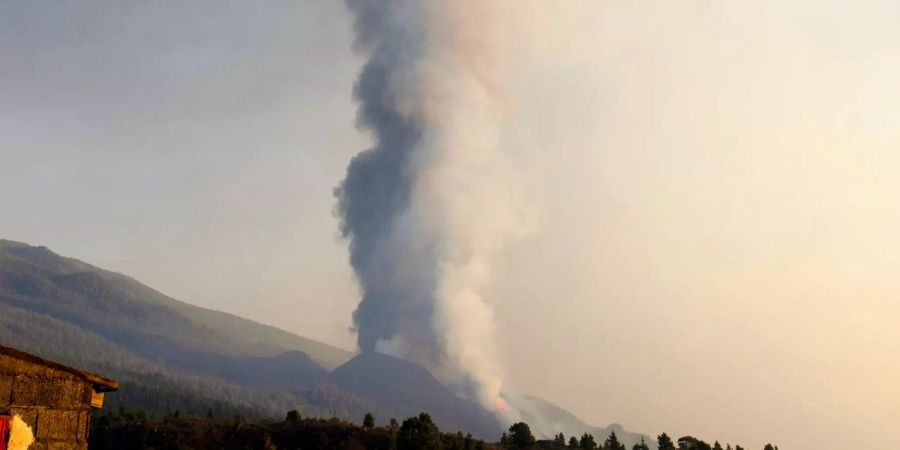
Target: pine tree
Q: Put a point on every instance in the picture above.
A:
(587, 442)
(458, 442)
(470, 443)
(393, 426)
(641, 446)
(368, 421)
(520, 435)
(418, 433)
(612, 443)
(665, 442)
(560, 440)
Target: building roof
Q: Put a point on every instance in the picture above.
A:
(101, 384)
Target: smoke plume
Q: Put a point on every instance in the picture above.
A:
(429, 205)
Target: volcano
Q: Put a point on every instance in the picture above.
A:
(403, 389)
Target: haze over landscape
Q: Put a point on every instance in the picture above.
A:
(706, 205)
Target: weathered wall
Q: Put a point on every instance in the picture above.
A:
(55, 404)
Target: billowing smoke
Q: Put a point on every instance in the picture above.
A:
(434, 200)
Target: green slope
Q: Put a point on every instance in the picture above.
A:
(39, 273)
(143, 383)
(168, 355)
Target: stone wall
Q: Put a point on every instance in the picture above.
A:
(54, 403)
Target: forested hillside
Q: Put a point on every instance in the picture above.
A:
(138, 431)
(121, 309)
(108, 323)
(171, 356)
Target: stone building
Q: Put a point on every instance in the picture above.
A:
(45, 405)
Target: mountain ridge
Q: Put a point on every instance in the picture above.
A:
(169, 355)
(325, 354)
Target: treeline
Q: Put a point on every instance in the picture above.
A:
(140, 430)
(520, 437)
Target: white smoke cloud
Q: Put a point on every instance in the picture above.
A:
(438, 197)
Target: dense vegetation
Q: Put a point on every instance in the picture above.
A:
(139, 431)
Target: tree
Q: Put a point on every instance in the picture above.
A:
(559, 440)
(458, 442)
(770, 447)
(717, 446)
(520, 435)
(641, 446)
(369, 421)
(612, 442)
(665, 442)
(692, 443)
(393, 426)
(573, 442)
(587, 441)
(470, 442)
(321, 440)
(293, 417)
(209, 414)
(419, 433)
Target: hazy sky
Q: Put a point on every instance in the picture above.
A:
(715, 185)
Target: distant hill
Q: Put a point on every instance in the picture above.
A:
(109, 323)
(120, 307)
(549, 419)
(169, 355)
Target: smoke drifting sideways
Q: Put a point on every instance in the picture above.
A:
(435, 198)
